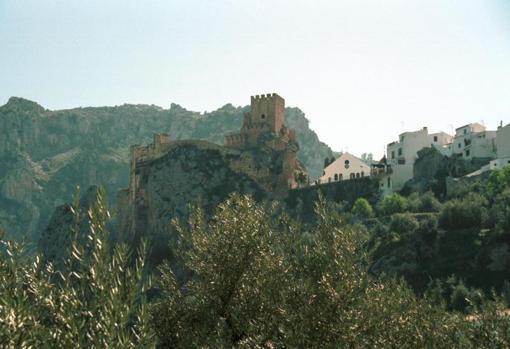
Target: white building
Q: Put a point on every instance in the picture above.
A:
(401, 156)
(474, 141)
(345, 167)
(503, 147)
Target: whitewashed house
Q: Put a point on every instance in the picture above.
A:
(401, 156)
(503, 147)
(345, 167)
(474, 141)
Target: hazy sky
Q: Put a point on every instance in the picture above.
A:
(362, 70)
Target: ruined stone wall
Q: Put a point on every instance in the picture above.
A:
(301, 202)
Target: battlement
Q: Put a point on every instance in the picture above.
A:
(265, 96)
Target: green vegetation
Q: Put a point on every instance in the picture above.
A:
(95, 301)
(251, 276)
(362, 208)
(466, 236)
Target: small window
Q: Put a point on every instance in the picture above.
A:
(336, 177)
(460, 145)
(393, 154)
(465, 131)
(399, 151)
(357, 175)
(467, 153)
(389, 182)
(435, 138)
(346, 163)
(263, 116)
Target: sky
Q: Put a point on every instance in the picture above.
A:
(362, 71)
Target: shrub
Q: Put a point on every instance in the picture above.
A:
(97, 301)
(393, 203)
(425, 202)
(499, 180)
(469, 212)
(362, 208)
(403, 224)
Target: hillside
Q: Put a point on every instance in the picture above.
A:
(45, 154)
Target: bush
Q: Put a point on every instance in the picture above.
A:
(393, 203)
(469, 212)
(97, 301)
(362, 208)
(500, 212)
(426, 202)
(499, 180)
(403, 224)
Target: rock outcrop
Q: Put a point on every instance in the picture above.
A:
(45, 155)
(432, 168)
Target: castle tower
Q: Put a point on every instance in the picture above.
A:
(267, 116)
(269, 110)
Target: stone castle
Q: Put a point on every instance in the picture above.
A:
(267, 117)
(263, 126)
(169, 175)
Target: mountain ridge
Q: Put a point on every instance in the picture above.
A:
(45, 154)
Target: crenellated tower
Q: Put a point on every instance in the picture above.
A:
(267, 116)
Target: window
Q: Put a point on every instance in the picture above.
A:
(351, 176)
(362, 174)
(389, 182)
(336, 177)
(393, 154)
(346, 163)
(357, 175)
(465, 131)
(435, 138)
(399, 151)
(467, 153)
(460, 145)
(263, 116)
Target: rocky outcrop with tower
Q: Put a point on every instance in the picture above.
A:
(168, 176)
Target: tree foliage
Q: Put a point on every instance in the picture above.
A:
(362, 208)
(260, 280)
(95, 301)
(393, 203)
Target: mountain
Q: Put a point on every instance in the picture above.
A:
(45, 155)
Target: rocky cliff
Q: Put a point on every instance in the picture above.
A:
(45, 154)
(185, 173)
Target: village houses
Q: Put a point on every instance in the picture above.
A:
(471, 141)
